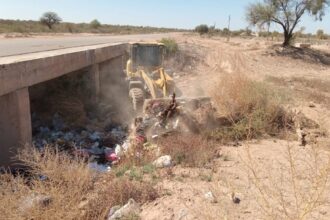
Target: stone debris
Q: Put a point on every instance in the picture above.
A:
(236, 198)
(131, 209)
(162, 162)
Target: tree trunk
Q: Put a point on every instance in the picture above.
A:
(287, 38)
(50, 26)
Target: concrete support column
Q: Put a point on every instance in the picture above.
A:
(15, 124)
(94, 73)
(112, 76)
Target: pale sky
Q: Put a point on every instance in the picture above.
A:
(158, 13)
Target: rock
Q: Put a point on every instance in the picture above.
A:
(311, 105)
(209, 196)
(34, 201)
(162, 162)
(236, 198)
(130, 209)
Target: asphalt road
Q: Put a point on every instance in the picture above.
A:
(17, 46)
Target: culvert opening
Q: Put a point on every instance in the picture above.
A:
(65, 116)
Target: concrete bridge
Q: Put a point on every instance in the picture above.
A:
(19, 73)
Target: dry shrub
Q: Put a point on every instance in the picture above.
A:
(296, 187)
(188, 150)
(252, 108)
(68, 183)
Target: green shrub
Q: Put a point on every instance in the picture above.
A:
(95, 24)
(171, 46)
(202, 29)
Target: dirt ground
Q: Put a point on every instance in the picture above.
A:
(188, 190)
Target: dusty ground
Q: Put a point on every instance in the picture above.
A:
(186, 189)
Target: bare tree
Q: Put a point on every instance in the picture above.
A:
(50, 19)
(286, 13)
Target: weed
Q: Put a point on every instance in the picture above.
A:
(188, 150)
(68, 183)
(315, 90)
(171, 46)
(206, 178)
(252, 108)
(135, 174)
(118, 191)
(149, 169)
(294, 188)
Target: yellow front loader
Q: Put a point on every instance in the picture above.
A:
(146, 75)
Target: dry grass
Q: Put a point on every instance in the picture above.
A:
(253, 109)
(69, 184)
(68, 181)
(189, 150)
(296, 187)
(315, 90)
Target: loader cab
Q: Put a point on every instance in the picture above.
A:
(148, 56)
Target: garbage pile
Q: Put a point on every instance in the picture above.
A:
(163, 117)
(102, 141)
(96, 141)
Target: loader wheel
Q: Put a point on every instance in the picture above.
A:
(137, 97)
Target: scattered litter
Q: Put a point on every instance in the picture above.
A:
(96, 144)
(110, 155)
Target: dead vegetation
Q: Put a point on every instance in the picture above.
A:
(293, 188)
(64, 187)
(249, 109)
(310, 89)
(189, 150)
